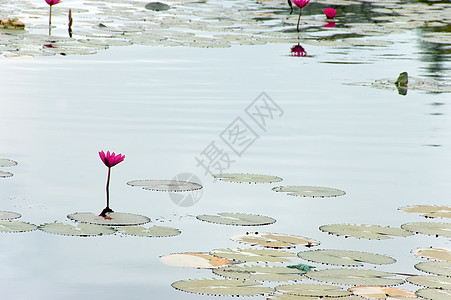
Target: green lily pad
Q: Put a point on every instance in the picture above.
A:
(4, 162)
(82, 229)
(435, 267)
(429, 228)
(363, 231)
(112, 219)
(345, 257)
(355, 277)
(247, 178)
(195, 260)
(434, 294)
(222, 287)
(309, 191)
(431, 281)
(237, 219)
(260, 273)
(429, 211)
(166, 185)
(254, 255)
(8, 215)
(316, 290)
(16, 226)
(434, 253)
(5, 174)
(154, 231)
(157, 6)
(273, 240)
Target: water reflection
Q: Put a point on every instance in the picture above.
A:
(330, 24)
(298, 50)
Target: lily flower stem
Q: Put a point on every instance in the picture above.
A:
(108, 189)
(299, 18)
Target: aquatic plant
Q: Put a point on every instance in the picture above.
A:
(110, 160)
(330, 12)
(51, 3)
(300, 4)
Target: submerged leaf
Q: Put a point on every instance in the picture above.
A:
(434, 253)
(237, 219)
(195, 260)
(429, 228)
(112, 219)
(302, 267)
(154, 231)
(310, 191)
(254, 255)
(78, 230)
(166, 185)
(355, 277)
(431, 281)
(247, 178)
(380, 292)
(260, 273)
(222, 287)
(316, 290)
(273, 240)
(435, 267)
(364, 231)
(345, 257)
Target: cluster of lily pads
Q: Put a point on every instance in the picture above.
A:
(99, 24)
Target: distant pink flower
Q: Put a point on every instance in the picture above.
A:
(52, 2)
(330, 12)
(111, 159)
(301, 3)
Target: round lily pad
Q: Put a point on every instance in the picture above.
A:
(247, 178)
(280, 296)
(260, 273)
(237, 219)
(16, 226)
(82, 229)
(166, 185)
(434, 253)
(431, 281)
(254, 255)
(222, 287)
(316, 290)
(273, 240)
(380, 292)
(345, 257)
(7, 215)
(429, 228)
(363, 231)
(309, 191)
(112, 219)
(157, 6)
(4, 162)
(435, 267)
(434, 294)
(429, 211)
(154, 231)
(195, 260)
(5, 174)
(355, 277)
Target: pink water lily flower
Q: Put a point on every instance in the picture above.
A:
(301, 3)
(52, 2)
(111, 159)
(330, 12)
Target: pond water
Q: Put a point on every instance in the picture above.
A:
(163, 107)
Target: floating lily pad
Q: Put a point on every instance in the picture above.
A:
(166, 185)
(82, 229)
(157, 6)
(429, 228)
(16, 226)
(273, 240)
(434, 294)
(355, 277)
(309, 191)
(254, 255)
(4, 162)
(237, 219)
(434, 253)
(195, 260)
(431, 281)
(260, 273)
(247, 178)
(222, 287)
(112, 219)
(435, 267)
(316, 290)
(429, 211)
(280, 296)
(5, 174)
(154, 231)
(380, 292)
(363, 231)
(345, 257)
(7, 215)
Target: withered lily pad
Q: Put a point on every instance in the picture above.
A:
(8, 215)
(380, 292)
(434, 253)
(247, 178)
(5, 174)
(166, 185)
(345, 257)
(355, 277)
(237, 219)
(260, 273)
(222, 287)
(112, 219)
(4, 162)
(363, 231)
(82, 229)
(431, 281)
(429, 211)
(435, 267)
(316, 290)
(195, 260)
(154, 231)
(254, 255)
(309, 191)
(429, 228)
(16, 226)
(273, 240)
(434, 294)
